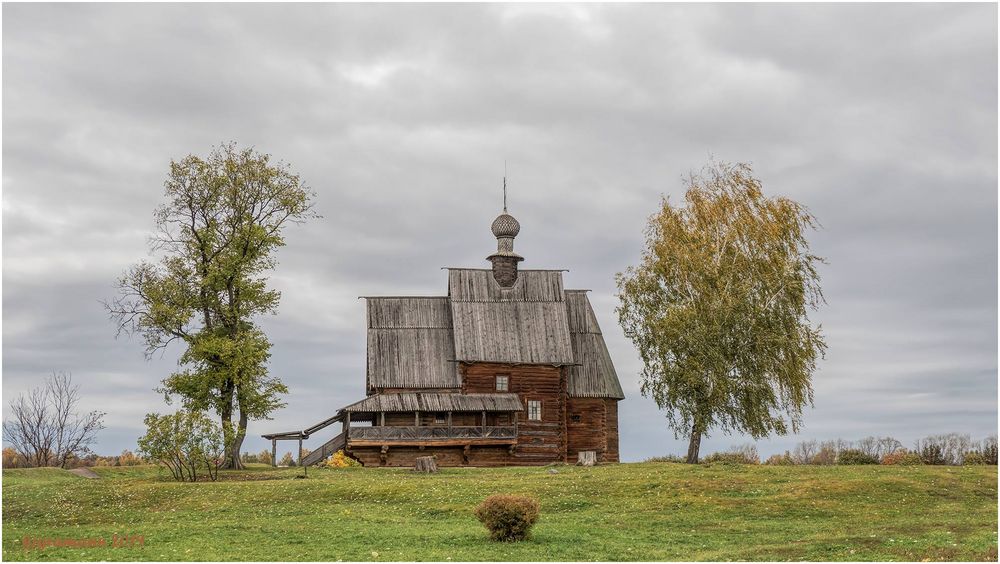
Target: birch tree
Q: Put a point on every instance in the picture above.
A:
(718, 308)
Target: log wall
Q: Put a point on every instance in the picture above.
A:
(444, 456)
(586, 427)
(611, 409)
(568, 425)
(538, 442)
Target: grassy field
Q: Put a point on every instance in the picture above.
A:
(651, 511)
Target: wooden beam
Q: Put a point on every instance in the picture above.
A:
(416, 418)
(449, 421)
(274, 452)
(484, 423)
(381, 417)
(354, 443)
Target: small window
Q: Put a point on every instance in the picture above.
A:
(576, 418)
(440, 418)
(503, 383)
(534, 410)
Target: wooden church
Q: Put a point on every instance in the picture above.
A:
(508, 368)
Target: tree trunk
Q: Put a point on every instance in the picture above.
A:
(694, 445)
(233, 461)
(233, 440)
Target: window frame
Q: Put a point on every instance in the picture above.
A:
(506, 383)
(534, 408)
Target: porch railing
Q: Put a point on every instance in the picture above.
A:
(429, 433)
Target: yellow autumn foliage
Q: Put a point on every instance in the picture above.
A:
(340, 460)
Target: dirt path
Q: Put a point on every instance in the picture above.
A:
(84, 472)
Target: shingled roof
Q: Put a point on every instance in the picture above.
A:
(410, 343)
(523, 324)
(593, 375)
(418, 342)
(436, 402)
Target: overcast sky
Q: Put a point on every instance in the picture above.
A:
(882, 119)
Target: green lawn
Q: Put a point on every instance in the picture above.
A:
(651, 511)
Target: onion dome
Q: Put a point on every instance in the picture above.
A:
(505, 226)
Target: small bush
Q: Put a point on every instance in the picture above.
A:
(973, 458)
(13, 459)
(725, 458)
(128, 458)
(826, 456)
(781, 460)
(667, 458)
(340, 460)
(746, 454)
(902, 457)
(854, 456)
(508, 517)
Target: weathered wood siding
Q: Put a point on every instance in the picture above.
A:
(525, 323)
(431, 402)
(611, 409)
(596, 428)
(538, 442)
(586, 427)
(410, 343)
(478, 285)
(427, 419)
(445, 456)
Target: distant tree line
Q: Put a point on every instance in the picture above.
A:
(14, 459)
(264, 457)
(952, 449)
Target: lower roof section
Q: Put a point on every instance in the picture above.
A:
(418, 401)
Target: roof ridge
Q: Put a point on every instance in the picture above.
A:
(402, 297)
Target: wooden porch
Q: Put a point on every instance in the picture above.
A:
(431, 435)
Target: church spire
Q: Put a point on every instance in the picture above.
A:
(505, 228)
(505, 187)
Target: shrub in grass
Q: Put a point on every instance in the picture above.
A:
(853, 456)
(781, 460)
(340, 460)
(902, 457)
(725, 458)
(746, 454)
(667, 458)
(508, 517)
(826, 456)
(973, 458)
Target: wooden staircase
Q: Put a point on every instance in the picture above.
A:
(325, 451)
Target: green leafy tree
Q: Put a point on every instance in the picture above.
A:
(185, 442)
(215, 240)
(718, 308)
